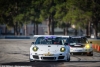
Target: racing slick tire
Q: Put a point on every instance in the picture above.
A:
(90, 54)
(68, 59)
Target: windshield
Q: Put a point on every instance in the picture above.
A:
(65, 40)
(49, 40)
(78, 40)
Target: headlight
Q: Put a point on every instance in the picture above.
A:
(62, 49)
(87, 46)
(35, 48)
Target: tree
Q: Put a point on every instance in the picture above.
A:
(47, 13)
(35, 14)
(91, 9)
(83, 13)
(96, 15)
(14, 12)
(61, 11)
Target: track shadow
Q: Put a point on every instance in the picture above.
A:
(44, 63)
(36, 64)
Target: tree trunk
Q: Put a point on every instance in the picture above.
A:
(18, 30)
(25, 30)
(86, 30)
(76, 32)
(15, 28)
(36, 29)
(52, 27)
(48, 24)
(95, 29)
(6, 30)
(65, 31)
(89, 29)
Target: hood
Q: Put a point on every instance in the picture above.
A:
(77, 44)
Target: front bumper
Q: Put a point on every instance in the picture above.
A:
(55, 57)
(79, 50)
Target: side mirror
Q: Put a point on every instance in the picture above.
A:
(66, 43)
(32, 43)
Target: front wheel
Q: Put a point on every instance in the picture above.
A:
(68, 59)
(32, 61)
(90, 54)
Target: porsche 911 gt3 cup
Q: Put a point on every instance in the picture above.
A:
(49, 48)
(80, 45)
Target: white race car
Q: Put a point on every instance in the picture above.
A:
(80, 45)
(49, 48)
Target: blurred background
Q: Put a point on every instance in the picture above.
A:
(53, 17)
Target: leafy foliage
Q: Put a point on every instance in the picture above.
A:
(78, 12)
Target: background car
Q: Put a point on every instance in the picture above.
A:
(49, 48)
(80, 45)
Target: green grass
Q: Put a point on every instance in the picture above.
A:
(95, 42)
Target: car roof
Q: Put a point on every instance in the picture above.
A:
(37, 35)
(62, 36)
(78, 37)
(51, 35)
(65, 36)
(42, 35)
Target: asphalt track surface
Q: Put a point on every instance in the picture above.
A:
(15, 52)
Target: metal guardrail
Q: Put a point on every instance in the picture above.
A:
(16, 37)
